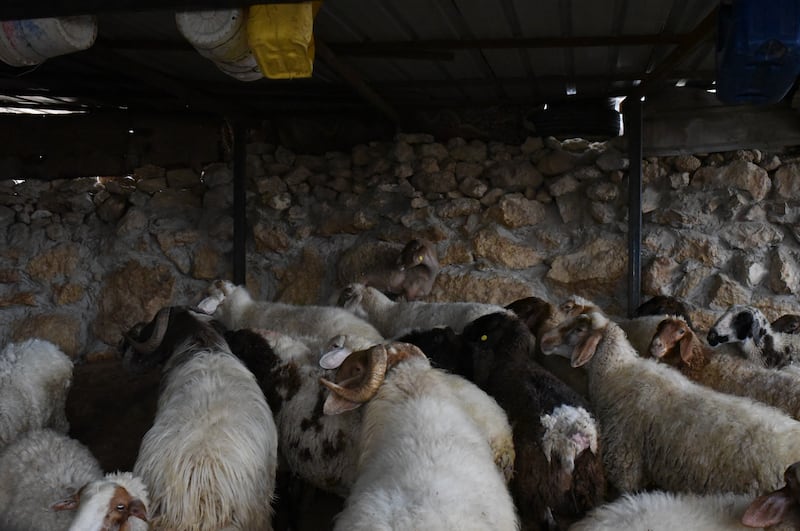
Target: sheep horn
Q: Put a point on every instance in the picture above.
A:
(372, 380)
(155, 339)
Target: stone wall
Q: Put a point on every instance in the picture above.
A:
(83, 260)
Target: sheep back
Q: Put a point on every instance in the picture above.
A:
(35, 378)
(38, 469)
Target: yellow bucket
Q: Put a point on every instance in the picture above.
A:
(281, 36)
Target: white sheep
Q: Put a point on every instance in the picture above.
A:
(676, 344)
(210, 458)
(394, 318)
(748, 327)
(322, 449)
(662, 430)
(50, 482)
(35, 378)
(235, 309)
(424, 463)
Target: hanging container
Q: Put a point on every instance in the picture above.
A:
(221, 36)
(281, 37)
(32, 41)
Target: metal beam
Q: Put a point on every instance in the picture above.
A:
(356, 81)
(21, 9)
(633, 130)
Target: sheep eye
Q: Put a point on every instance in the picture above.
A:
(484, 337)
(419, 258)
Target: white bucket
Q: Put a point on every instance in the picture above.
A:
(221, 35)
(32, 41)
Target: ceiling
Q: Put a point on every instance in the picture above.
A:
(393, 58)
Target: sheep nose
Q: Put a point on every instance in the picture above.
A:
(713, 338)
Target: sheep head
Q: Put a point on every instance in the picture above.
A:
(575, 338)
(672, 332)
(739, 323)
(786, 324)
(360, 375)
(418, 252)
(106, 504)
(771, 509)
(536, 313)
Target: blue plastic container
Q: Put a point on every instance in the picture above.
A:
(758, 50)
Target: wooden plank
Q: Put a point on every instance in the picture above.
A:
(66, 146)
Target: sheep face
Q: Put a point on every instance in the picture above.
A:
(739, 324)
(444, 348)
(489, 337)
(576, 338)
(104, 505)
(786, 324)
(533, 311)
(670, 333)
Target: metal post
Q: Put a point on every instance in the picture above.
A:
(239, 203)
(633, 130)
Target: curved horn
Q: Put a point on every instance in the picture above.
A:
(368, 381)
(155, 339)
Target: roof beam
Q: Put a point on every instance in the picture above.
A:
(21, 9)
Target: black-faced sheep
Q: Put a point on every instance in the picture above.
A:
(748, 327)
(558, 472)
(424, 463)
(409, 272)
(676, 344)
(50, 482)
(663, 431)
(668, 511)
(393, 318)
(210, 458)
(35, 377)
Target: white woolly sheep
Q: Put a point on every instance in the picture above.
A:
(662, 430)
(409, 272)
(210, 458)
(748, 327)
(35, 378)
(393, 318)
(558, 471)
(50, 482)
(235, 309)
(322, 449)
(667, 511)
(676, 344)
(424, 463)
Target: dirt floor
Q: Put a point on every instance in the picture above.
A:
(110, 410)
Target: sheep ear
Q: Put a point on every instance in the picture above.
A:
(333, 358)
(768, 510)
(686, 346)
(585, 349)
(334, 405)
(70, 503)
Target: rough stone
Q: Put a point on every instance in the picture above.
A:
(458, 208)
(516, 211)
(686, 163)
(20, 298)
(64, 331)
(783, 272)
(557, 162)
(55, 263)
(750, 234)
(726, 292)
(301, 283)
(602, 260)
(513, 176)
(68, 293)
(786, 181)
(505, 251)
(270, 238)
(479, 287)
(206, 264)
(563, 185)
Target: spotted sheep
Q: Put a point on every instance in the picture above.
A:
(749, 328)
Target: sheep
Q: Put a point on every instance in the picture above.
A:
(539, 316)
(664, 305)
(423, 463)
(394, 318)
(748, 327)
(321, 449)
(667, 511)
(409, 272)
(663, 431)
(35, 378)
(558, 472)
(235, 309)
(788, 324)
(210, 458)
(51, 482)
(676, 344)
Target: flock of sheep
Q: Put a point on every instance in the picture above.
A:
(423, 416)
